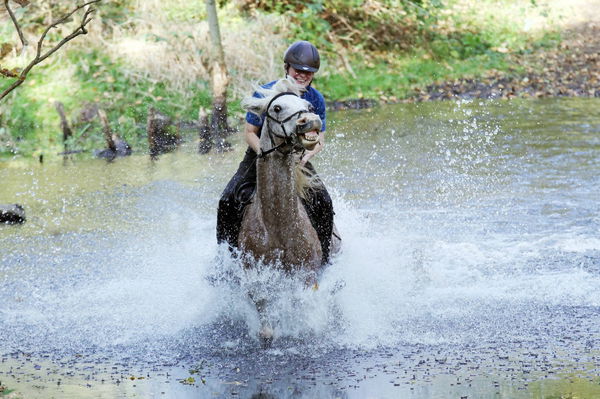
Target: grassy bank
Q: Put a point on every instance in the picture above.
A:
(153, 53)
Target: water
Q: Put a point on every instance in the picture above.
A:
(470, 267)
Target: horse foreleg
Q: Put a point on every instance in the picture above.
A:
(265, 334)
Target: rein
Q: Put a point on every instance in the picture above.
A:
(288, 139)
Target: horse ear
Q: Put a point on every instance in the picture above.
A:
(288, 84)
(254, 105)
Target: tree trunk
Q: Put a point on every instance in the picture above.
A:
(203, 132)
(219, 80)
(160, 140)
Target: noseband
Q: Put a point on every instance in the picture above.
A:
(287, 139)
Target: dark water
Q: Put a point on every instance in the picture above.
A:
(470, 267)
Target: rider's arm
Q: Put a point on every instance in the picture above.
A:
(251, 136)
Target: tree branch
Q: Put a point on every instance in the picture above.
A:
(39, 57)
(15, 23)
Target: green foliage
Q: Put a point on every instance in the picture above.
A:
(460, 46)
(396, 79)
(115, 11)
(94, 79)
(393, 47)
(373, 26)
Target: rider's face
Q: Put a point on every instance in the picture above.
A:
(303, 78)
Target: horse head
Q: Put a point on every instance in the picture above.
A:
(289, 120)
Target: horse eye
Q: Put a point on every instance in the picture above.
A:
(311, 108)
(277, 108)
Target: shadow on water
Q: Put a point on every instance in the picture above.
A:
(469, 268)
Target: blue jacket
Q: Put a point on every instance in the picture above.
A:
(311, 95)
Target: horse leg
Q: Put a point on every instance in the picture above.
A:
(265, 334)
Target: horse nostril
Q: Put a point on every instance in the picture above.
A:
(306, 126)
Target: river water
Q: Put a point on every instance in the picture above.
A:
(470, 267)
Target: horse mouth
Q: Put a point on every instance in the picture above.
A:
(309, 139)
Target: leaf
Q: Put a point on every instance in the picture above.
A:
(5, 49)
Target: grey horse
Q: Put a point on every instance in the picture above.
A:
(276, 229)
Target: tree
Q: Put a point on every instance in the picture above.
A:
(41, 55)
(219, 80)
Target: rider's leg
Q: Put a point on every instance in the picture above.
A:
(319, 207)
(231, 210)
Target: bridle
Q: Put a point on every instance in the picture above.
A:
(290, 140)
(287, 140)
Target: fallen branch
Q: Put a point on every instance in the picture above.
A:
(39, 57)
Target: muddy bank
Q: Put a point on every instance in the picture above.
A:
(572, 69)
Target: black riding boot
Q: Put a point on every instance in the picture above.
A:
(235, 197)
(319, 207)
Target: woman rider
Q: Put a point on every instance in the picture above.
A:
(301, 61)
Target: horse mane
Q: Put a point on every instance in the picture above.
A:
(305, 182)
(258, 105)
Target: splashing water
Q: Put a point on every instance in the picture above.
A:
(463, 224)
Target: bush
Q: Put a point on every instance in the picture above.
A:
(378, 25)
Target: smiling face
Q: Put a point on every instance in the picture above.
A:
(303, 78)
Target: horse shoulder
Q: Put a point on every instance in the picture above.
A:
(253, 234)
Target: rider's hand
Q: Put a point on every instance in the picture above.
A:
(309, 154)
(305, 158)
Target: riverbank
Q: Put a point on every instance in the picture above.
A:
(477, 52)
(570, 70)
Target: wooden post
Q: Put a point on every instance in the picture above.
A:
(108, 134)
(64, 124)
(204, 132)
(115, 146)
(160, 140)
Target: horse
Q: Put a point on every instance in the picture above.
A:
(276, 229)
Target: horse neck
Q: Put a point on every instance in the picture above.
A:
(275, 184)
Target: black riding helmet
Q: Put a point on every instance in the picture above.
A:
(303, 56)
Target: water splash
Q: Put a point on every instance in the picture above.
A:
(448, 238)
